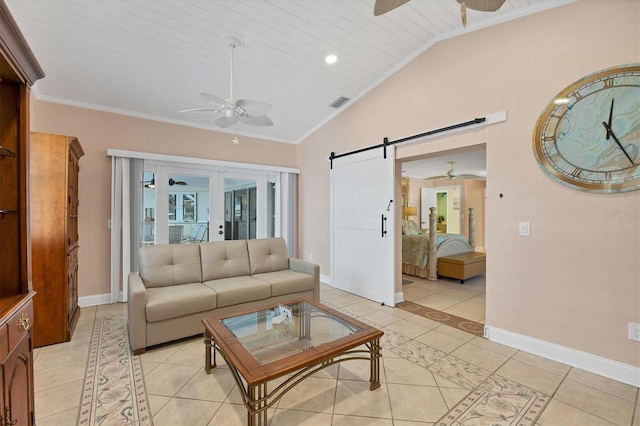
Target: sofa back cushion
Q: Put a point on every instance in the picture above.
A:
(169, 264)
(224, 259)
(268, 255)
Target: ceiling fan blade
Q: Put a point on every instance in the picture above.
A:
(219, 102)
(200, 110)
(483, 5)
(225, 121)
(384, 6)
(256, 120)
(475, 177)
(437, 177)
(253, 107)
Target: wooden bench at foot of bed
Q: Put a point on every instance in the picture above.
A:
(463, 265)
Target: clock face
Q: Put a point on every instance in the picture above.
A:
(588, 137)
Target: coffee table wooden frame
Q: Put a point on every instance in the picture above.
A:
(252, 377)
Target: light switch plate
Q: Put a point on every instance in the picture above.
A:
(525, 229)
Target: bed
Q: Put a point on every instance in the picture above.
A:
(418, 252)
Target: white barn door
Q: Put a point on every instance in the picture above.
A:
(362, 224)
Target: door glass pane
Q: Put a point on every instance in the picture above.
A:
(188, 207)
(240, 209)
(149, 206)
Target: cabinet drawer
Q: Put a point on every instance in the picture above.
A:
(19, 324)
(4, 342)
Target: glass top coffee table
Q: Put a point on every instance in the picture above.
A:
(261, 345)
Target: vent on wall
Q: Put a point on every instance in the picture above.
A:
(339, 102)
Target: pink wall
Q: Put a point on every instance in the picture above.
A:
(99, 131)
(576, 281)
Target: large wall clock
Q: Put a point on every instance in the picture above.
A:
(588, 136)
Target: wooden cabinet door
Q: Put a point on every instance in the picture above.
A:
(73, 171)
(17, 376)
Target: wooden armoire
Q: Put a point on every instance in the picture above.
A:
(18, 71)
(54, 171)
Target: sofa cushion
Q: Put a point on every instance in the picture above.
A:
(178, 300)
(224, 259)
(287, 281)
(268, 255)
(169, 264)
(232, 291)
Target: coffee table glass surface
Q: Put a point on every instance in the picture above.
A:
(269, 337)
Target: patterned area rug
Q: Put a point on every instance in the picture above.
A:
(443, 318)
(114, 392)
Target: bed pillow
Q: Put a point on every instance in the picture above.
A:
(414, 226)
(408, 228)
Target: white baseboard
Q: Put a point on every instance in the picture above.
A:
(593, 363)
(326, 279)
(96, 299)
(398, 297)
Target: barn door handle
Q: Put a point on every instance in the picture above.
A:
(384, 226)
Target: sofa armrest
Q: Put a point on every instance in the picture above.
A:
(305, 267)
(137, 319)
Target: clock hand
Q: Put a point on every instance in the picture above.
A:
(610, 131)
(610, 120)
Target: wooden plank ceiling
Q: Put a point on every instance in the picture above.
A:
(151, 58)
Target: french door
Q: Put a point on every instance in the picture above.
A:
(189, 205)
(362, 224)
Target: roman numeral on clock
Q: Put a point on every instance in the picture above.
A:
(555, 157)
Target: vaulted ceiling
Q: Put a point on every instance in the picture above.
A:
(151, 58)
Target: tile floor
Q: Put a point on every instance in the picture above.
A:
(427, 370)
(448, 295)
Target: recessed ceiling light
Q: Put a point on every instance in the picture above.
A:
(560, 101)
(331, 59)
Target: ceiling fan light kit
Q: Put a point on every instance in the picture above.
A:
(250, 112)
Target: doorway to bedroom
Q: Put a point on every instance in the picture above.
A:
(429, 180)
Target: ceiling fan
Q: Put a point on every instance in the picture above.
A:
(243, 110)
(384, 6)
(452, 174)
(152, 183)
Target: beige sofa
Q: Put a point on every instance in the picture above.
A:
(179, 284)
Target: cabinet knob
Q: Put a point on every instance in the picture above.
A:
(23, 322)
